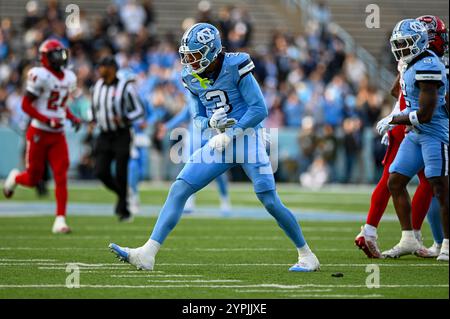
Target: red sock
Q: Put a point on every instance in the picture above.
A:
(379, 200)
(61, 200)
(421, 201)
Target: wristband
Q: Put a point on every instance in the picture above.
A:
(413, 118)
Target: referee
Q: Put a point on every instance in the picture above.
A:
(115, 106)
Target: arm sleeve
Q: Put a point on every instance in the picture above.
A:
(183, 116)
(257, 109)
(134, 108)
(198, 111)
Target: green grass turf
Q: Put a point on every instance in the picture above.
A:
(241, 195)
(201, 257)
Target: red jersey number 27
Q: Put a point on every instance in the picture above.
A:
(56, 100)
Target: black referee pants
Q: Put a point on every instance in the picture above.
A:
(114, 146)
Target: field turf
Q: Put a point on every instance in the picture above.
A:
(208, 257)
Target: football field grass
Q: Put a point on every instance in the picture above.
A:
(208, 256)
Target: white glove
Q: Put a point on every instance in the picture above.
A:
(219, 117)
(383, 125)
(219, 142)
(385, 139)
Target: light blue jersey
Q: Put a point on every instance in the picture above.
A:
(427, 145)
(228, 91)
(428, 68)
(237, 91)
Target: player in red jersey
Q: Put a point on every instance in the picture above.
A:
(367, 238)
(48, 88)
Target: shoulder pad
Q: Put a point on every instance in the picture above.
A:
(186, 79)
(242, 61)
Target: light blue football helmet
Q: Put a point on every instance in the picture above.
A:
(199, 47)
(409, 39)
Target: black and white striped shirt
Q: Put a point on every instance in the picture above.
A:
(115, 106)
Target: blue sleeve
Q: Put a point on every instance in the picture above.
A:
(429, 69)
(198, 111)
(257, 109)
(183, 116)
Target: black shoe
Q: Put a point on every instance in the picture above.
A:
(125, 217)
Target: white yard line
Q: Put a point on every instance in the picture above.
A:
(335, 296)
(255, 249)
(150, 275)
(27, 260)
(53, 248)
(194, 281)
(64, 268)
(45, 264)
(278, 290)
(281, 287)
(186, 237)
(171, 249)
(323, 265)
(386, 265)
(48, 266)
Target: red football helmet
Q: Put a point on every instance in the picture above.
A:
(437, 33)
(53, 55)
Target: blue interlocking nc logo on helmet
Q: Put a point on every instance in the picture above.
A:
(409, 39)
(200, 46)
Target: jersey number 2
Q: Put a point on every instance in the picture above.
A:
(54, 101)
(221, 99)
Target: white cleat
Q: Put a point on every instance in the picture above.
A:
(308, 263)
(443, 256)
(402, 249)
(431, 252)
(133, 256)
(368, 244)
(10, 183)
(422, 251)
(60, 226)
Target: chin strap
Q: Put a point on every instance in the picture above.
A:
(203, 82)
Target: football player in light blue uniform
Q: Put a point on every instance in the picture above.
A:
(185, 116)
(438, 43)
(424, 85)
(229, 100)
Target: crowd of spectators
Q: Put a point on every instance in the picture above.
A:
(310, 83)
